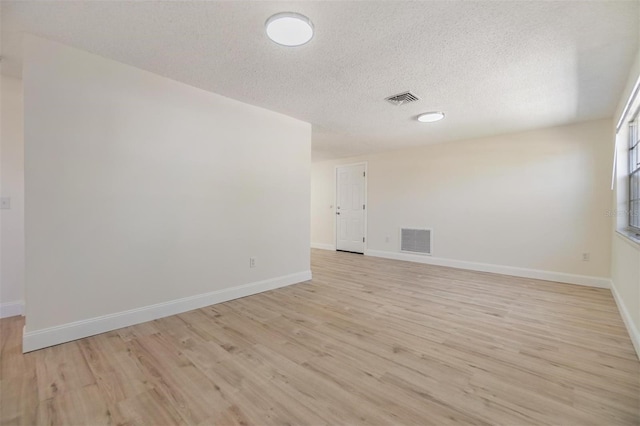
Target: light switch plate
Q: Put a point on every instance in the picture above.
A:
(5, 203)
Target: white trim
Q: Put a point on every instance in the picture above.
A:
(11, 309)
(38, 339)
(366, 201)
(625, 236)
(614, 169)
(627, 106)
(323, 246)
(537, 274)
(634, 333)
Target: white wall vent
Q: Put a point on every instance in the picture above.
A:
(415, 240)
(402, 98)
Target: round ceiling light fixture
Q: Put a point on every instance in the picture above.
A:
(289, 29)
(430, 117)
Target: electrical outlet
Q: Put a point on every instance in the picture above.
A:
(5, 203)
(586, 257)
(252, 262)
(386, 239)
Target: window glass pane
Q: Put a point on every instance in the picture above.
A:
(634, 219)
(634, 200)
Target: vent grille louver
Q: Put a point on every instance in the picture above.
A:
(402, 98)
(415, 240)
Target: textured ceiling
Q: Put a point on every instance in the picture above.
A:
(493, 67)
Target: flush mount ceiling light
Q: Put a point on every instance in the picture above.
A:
(289, 29)
(430, 117)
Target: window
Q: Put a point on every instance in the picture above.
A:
(634, 174)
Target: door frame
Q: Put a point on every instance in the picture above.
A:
(335, 205)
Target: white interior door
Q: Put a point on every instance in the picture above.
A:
(350, 208)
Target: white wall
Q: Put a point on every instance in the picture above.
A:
(12, 186)
(625, 277)
(145, 192)
(625, 256)
(535, 200)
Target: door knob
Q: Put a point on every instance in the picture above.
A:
(337, 212)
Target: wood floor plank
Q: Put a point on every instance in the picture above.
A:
(367, 342)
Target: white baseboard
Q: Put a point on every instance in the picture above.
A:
(11, 309)
(39, 339)
(562, 277)
(634, 333)
(323, 246)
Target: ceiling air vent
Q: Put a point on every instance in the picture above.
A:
(415, 240)
(402, 98)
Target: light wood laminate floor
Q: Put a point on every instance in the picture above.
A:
(368, 341)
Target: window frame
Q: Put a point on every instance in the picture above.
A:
(634, 156)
